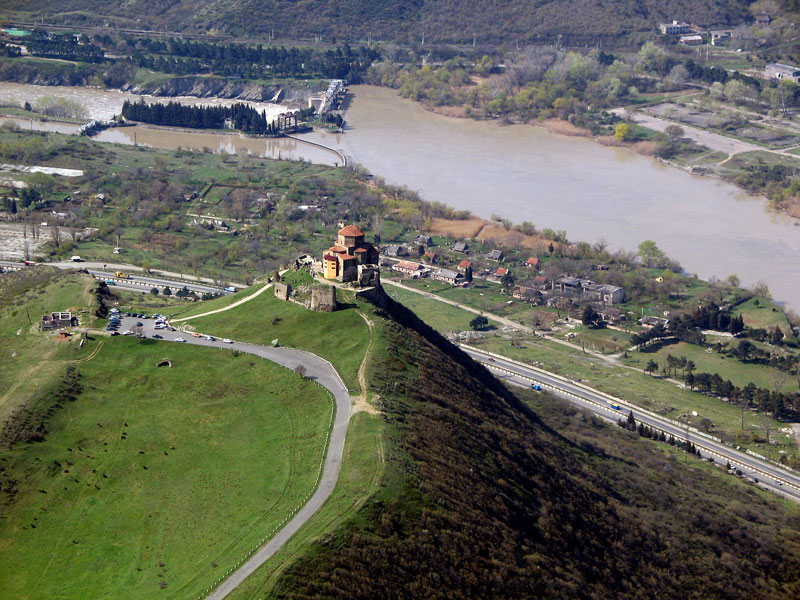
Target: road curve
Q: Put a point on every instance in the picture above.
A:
(321, 371)
(768, 474)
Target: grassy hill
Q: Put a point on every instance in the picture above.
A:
(458, 489)
(481, 499)
(119, 478)
(31, 361)
(578, 22)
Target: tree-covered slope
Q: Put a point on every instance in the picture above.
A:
(490, 21)
(482, 500)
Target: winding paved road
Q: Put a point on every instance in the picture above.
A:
(321, 371)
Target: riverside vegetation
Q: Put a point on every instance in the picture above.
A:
(567, 91)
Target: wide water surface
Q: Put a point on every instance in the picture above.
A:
(520, 172)
(528, 174)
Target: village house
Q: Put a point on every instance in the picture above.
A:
(589, 290)
(412, 269)
(56, 320)
(462, 247)
(568, 285)
(539, 282)
(447, 276)
(610, 315)
(675, 28)
(781, 71)
(691, 40)
(720, 36)
(432, 257)
(464, 265)
(605, 293)
(648, 322)
(498, 274)
(342, 260)
(532, 262)
(495, 254)
(527, 294)
(395, 250)
(763, 19)
(423, 240)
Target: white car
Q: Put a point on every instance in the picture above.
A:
(227, 341)
(127, 333)
(210, 338)
(180, 340)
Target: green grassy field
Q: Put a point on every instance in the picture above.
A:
(482, 296)
(605, 341)
(160, 477)
(33, 360)
(341, 336)
(362, 467)
(764, 316)
(438, 315)
(726, 367)
(197, 308)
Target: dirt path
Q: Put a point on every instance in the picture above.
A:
(91, 356)
(711, 140)
(234, 305)
(361, 401)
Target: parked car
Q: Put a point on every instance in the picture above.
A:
(158, 337)
(139, 324)
(180, 340)
(195, 334)
(227, 341)
(210, 338)
(113, 333)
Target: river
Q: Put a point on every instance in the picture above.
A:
(104, 104)
(592, 191)
(526, 174)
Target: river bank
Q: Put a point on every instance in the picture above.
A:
(524, 173)
(716, 163)
(596, 193)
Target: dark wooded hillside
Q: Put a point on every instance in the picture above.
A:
(578, 22)
(482, 500)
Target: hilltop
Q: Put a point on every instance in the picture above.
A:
(576, 22)
(481, 499)
(478, 495)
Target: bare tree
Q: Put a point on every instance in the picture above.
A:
(55, 231)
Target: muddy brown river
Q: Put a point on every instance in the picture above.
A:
(526, 174)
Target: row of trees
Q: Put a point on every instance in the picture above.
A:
(239, 116)
(254, 62)
(65, 47)
(774, 402)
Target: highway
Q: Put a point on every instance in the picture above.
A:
(767, 474)
(316, 368)
(139, 283)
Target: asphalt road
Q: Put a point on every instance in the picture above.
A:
(141, 283)
(107, 270)
(779, 480)
(320, 371)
